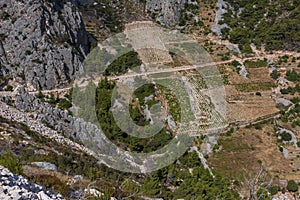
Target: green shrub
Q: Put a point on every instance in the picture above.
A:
(262, 194)
(9, 88)
(281, 149)
(258, 127)
(235, 63)
(286, 136)
(274, 189)
(39, 95)
(256, 64)
(64, 104)
(292, 75)
(28, 52)
(11, 162)
(292, 186)
(274, 74)
(123, 63)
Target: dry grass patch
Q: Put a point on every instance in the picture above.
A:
(247, 107)
(244, 151)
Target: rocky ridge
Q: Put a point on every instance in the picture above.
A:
(42, 43)
(14, 186)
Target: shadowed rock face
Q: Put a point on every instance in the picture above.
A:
(167, 12)
(43, 42)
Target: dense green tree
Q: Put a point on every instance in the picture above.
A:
(122, 64)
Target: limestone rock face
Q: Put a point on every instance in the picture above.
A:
(42, 42)
(17, 187)
(45, 165)
(167, 12)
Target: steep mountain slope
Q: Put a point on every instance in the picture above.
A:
(43, 43)
(166, 12)
(104, 17)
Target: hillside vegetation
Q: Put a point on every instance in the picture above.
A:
(274, 24)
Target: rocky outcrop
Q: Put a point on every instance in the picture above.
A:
(32, 120)
(13, 186)
(55, 118)
(166, 12)
(45, 165)
(42, 42)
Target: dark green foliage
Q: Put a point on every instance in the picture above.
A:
(245, 48)
(28, 52)
(256, 64)
(285, 118)
(9, 88)
(186, 17)
(274, 189)
(173, 102)
(291, 90)
(235, 63)
(11, 162)
(151, 186)
(281, 149)
(286, 136)
(144, 91)
(225, 57)
(69, 94)
(5, 16)
(39, 95)
(258, 127)
(52, 100)
(262, 194)
(292, 186)
(275, 74)
(297, 109)
(254, 25)
(295, 100)
(230, 132)
(64, 104)
(122, 64)
(201, 185)
(111, 129)
(196, 185)
(292, 75)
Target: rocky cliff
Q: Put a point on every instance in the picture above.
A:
(166, 12)
(42, 42)
(13, 186)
